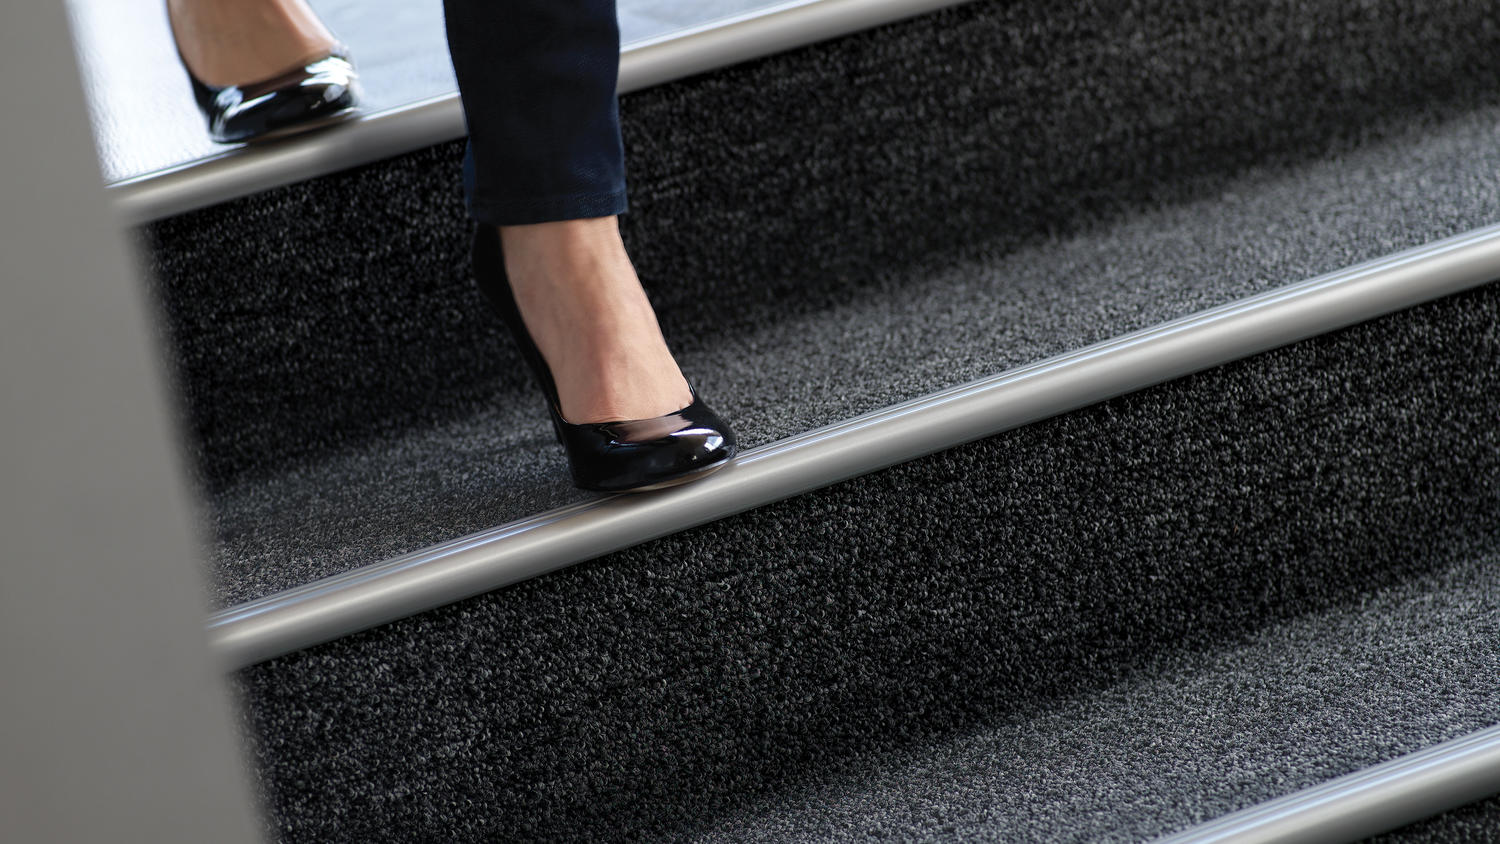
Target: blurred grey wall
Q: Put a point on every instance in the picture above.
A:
(114, 723)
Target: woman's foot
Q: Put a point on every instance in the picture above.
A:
(239, 42)
(591, 320)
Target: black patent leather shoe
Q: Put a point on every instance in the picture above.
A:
(628, 456)
(317, 94)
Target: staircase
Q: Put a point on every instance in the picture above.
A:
(1111, 624)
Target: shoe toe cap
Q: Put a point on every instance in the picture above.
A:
(320, 90)
(651, 453)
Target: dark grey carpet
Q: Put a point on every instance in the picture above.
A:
(1190, 738)
(1108, 625)
(1477, 823)
(1104, 626)
(875, 245)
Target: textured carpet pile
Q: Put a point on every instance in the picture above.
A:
(1108, 625)
(890, 214)
(311, 316)
(1102, 627)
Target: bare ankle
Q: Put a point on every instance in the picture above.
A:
(580, 298)
(564, 240)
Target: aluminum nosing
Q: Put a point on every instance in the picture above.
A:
(1367, 802)
(246, 170)
(382, 592)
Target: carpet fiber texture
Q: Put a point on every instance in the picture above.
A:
(310, 317)
(1105, 626)
(1318, 695)
(1477, 823)
(705, 684)
(353, 401)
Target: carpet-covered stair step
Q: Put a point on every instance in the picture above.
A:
(1476, 822)
(374, 594)
(894, 212)
(963, 210)
(1259, 577)
(1396, 794)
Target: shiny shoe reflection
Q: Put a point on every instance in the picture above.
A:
(627, 456)
(317, 94)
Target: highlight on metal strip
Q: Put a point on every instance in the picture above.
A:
(1366, 802)
(337, 606)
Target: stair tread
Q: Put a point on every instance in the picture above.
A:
(1197, 736)
(915, 330)
(1176, 602)
(1476, 822)
(1152, 554)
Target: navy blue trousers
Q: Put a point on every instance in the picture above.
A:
(537, 79)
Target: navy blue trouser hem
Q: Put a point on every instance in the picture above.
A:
(548, 209)
(537, 79)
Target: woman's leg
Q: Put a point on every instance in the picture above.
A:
(546, 166)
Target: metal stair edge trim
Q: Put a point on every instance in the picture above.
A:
(1367, 802)
(676, 55)
(373, 595)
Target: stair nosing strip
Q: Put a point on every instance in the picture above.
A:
(1367, 802)
(379, 593)
(643, 64)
